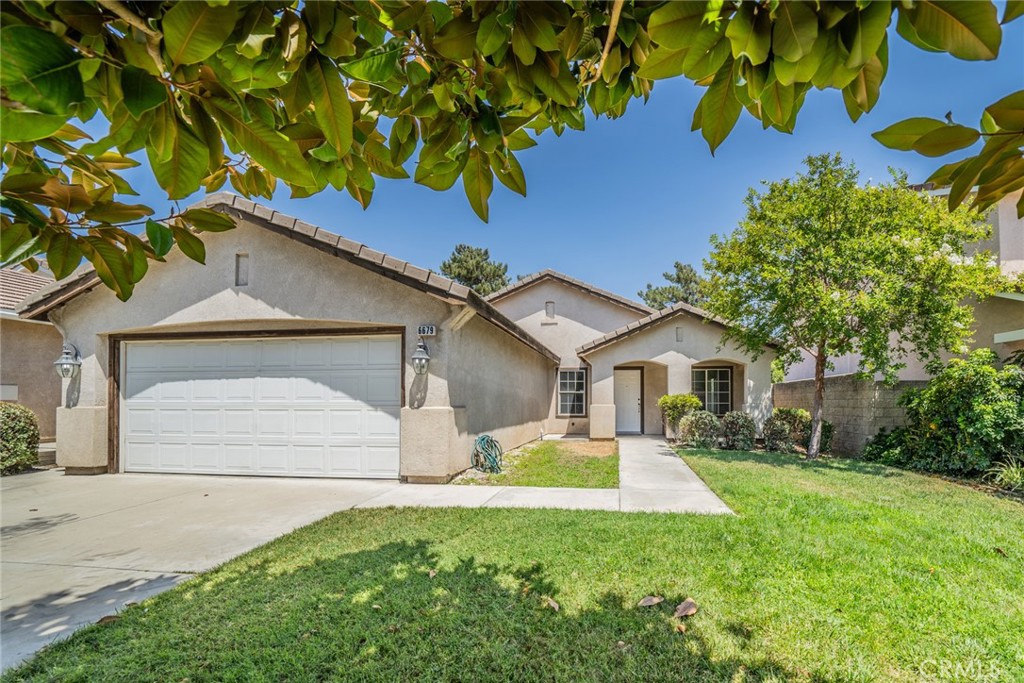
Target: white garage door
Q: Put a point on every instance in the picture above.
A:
(309, 407)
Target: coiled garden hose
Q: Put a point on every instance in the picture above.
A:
(487, 454)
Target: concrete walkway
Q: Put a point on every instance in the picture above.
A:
(652, 478)
(74, 549)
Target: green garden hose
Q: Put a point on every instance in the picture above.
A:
(487, 454)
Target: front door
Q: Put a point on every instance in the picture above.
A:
(628, 390)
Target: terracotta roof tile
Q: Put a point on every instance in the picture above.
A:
(16, 285)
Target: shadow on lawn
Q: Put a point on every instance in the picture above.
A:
(378, 615)
(829, 463)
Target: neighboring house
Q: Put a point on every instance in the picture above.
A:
(293, 353)
(28, 349)
(618, 357)
(859, 408)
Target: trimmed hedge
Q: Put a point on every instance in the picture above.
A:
(676, 406)
(738, 431)
(19, 438)
(700, 429)
(788, 427)
(778, 434)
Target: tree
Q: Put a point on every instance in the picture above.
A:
(256, 93)
(684, 285)
(473, 267)
(825, 267)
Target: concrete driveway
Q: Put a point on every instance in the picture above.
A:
(73, 549)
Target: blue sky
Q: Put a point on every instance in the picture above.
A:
(617, 204)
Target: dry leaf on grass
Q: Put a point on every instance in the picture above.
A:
(687, 608)
(432, 573)
(109, 619)
(680, 628)
(1000, 551)
(552, 604)
(650, 601)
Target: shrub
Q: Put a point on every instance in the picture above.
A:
(738, 431)
(827, 432)
(19, 438)
(700, 429)
(967, 417)
(799, 421)
(778, 435)
(675, 406)
(1008, 475)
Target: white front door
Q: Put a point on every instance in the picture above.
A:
(297, 407)
(628, 386)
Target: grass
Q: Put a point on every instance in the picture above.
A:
(574, 464)
(834, 571)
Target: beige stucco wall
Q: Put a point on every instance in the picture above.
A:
(27, 352)
(291, 286)
(658, 344)
(579, 318)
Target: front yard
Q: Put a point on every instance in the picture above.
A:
(831, 571)
(567, 463)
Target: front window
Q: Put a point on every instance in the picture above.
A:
(572, 393)
(713, 386)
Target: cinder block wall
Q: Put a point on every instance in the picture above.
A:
(858, 408)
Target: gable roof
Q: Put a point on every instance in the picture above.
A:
(651, 320)
(85, 278)
(586, 287)
(17, 285)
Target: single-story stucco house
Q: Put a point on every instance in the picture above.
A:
(28, 349)
(296, 352)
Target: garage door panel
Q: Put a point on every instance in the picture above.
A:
(295, 407)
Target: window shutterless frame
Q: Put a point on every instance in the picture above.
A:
(572, 393)
(713, 386)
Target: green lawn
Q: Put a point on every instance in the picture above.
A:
(831, 572)
(569, 463)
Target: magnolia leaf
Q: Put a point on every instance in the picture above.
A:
(457, 39)
(376, 66)
(137, 260)
(750, 33)
(719, 108)
(491, 36)
(189, 244)
(141, 91)
(967, 30)
(478, 182)
(26, 126)
(16, 243)
(650, 601)
(116, 212)
(1014, 9)
(268, 147)
(330, 102)
(195, 30)
(512, 177)
(866, 30)
(519, 139)
(63, 255)
(687, 608)
(777, 100)
(663, 62)
(161, 239)
(945, 140)
(674, 24)
(794, 31)
(1008, 113)
(208, 220)
(182, 167)
(110, 263)
(562, 88)
(904, 134)
(39, 70)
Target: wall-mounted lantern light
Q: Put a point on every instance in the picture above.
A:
(420, 358)
(69, 362)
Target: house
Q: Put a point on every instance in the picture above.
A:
(618, 357)
(297, 352)
(28, 349)
(860, 408)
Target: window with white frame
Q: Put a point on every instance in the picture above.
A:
(572, 393)
(713, 386)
